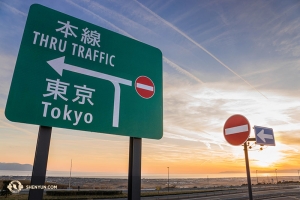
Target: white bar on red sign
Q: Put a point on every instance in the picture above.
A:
(237, 129)
(145, 87)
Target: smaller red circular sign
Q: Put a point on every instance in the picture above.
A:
(144, 86)
(236, 130)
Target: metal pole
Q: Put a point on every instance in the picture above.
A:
(298, 174)
(256, 178)
(168, 179)
(207, 182)
(276, 175)
(70, 175)
(134, 174)
(40, 162)
(248, 171)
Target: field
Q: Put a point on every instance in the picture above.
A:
(150, 187)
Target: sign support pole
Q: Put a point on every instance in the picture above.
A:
(40, 162)
(248, 171)
(134, 174)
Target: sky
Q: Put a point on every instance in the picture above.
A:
(220, 58)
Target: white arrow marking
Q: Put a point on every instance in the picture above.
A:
(236, 129)
(145, 87)
(264, 136)
(59, 65)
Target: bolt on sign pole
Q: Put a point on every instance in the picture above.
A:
(134, 174)
(40, 162)
(248, 171)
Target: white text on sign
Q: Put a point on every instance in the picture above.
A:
(66, 115)
(80, 51)
(59, 66)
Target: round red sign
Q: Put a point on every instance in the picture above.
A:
(144, 86)
(236, 130)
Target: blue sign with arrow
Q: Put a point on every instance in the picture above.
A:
(264, 136)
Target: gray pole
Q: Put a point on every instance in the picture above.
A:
(134, 174)
(40, 162)
(248, 171)
(168, 179)
(276, 176)
(298, 174)
(256, 178)
(70, 175)
(207, 182)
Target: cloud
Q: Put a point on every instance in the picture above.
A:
(7, 66)
(288, 137)
(128, 23)
(198, 45)
(198, 96)
(8, 125)
(196, 113)
(99, 18)
(276, 26)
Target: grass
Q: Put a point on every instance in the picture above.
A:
(25, 197)
(144, 194)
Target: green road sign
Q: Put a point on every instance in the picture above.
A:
(76, 75)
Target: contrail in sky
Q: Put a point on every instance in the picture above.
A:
(172, 64)
(14, 10)
(198, 45)
(169, 62)
(97, 16)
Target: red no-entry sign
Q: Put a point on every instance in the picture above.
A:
(144, 87)
(236, 130)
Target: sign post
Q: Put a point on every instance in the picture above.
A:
(248, 171)
(40, 162)
(73, 74)
(236, 132)
(134, 174)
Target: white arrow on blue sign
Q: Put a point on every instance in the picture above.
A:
(264, 136)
